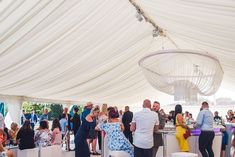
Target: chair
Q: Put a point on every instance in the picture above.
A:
(183, 154)
(28, 152)
(46, 151)
(118, 154)
(56, 150)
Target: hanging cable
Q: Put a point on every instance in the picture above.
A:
(157, 31)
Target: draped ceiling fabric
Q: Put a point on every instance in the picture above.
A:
(88, 50)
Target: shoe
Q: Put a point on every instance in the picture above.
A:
(96, 153)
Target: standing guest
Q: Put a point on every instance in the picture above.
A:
(103, 116)
(25, 136)
(93, 135)
(191, 120)
(233, 119)
(229, 115)
(143, 125)
(43, 137)
(56, 132)
(186, 115)
(171, 116)
(22, 117)
(158, 141)
(64, 126)
(232, 149)
(224, 141)
(2, 124)
(86, 111)
(205, 121)
(116, 139)
(76, 121)
(181, 129)
(217, 117)
(126, 120)
(44, 116)
(33, 119)
(120, 115)
(81, 145)
(68, 119)
(13, 133)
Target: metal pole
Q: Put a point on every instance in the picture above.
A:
(102, 143)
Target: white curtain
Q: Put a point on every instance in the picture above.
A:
(85, 50)
(14, 109)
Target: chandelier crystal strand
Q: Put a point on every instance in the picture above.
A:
(183, 73)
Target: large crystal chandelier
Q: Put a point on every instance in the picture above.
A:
(183, 73)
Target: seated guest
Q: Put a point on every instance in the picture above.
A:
(56, 132)
(13, 133)
(6, 130)
(3, 151)
(25, 136)
(43, 136)
(116, 139)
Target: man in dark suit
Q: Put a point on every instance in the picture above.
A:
(76, 120)
(33, 119)
(126, 120)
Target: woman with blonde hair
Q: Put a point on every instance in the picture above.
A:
(104, 110)
(103, 116)
(81, 145)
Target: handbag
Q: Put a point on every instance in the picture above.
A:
(187, 134)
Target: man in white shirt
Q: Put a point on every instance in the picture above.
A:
(143, 125)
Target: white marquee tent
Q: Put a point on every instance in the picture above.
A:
(88, 50)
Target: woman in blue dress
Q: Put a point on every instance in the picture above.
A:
(81, 145)
(116, 139)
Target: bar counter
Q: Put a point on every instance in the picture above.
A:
(171, 144)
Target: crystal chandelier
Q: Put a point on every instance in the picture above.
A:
(183, 73)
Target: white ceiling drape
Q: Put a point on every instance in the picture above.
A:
(89, 50)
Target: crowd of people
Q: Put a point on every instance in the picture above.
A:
(137, 134)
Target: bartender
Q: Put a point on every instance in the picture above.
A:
(205, 121)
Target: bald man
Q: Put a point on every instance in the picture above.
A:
(143, 125)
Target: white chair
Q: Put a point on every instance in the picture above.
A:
(56, 150)
(118, 154)
(45, 152)
(183, 154)
(67, 154)
(28, 152)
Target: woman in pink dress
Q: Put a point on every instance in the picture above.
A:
(56, 132)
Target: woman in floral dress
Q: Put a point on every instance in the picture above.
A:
(116, 139)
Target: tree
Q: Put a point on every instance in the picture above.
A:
(56, 111)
